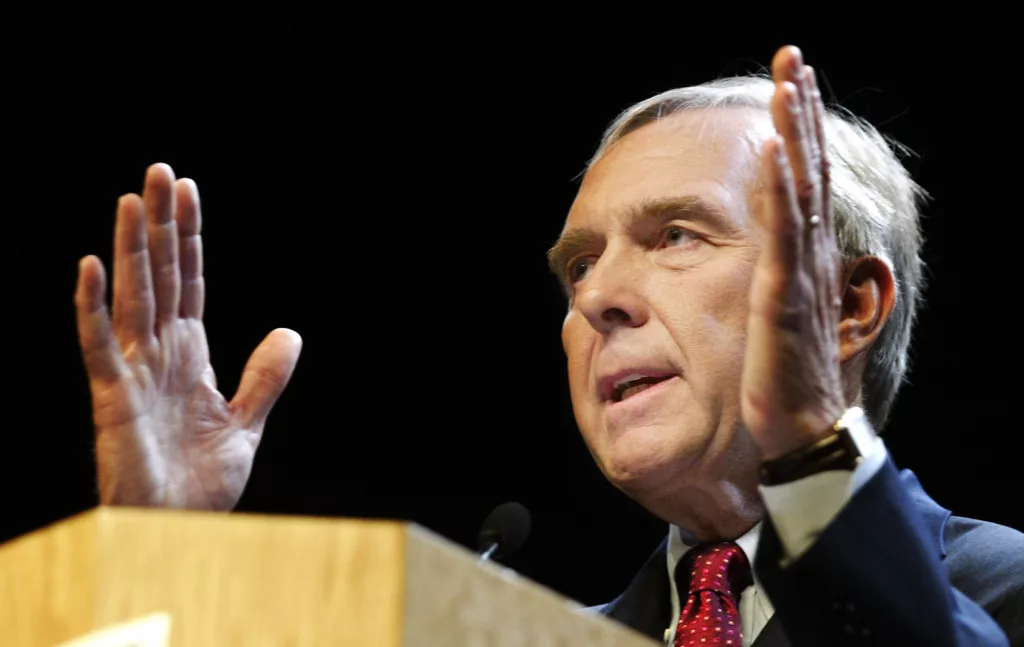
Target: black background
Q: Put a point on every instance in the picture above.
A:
(389, 194)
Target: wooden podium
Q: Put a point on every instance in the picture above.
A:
(254, 580)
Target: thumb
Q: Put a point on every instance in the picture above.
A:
(266, 374)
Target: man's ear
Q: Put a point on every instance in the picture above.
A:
(869, 294)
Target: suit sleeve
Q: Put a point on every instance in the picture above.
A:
(801, 510)
(871, 577)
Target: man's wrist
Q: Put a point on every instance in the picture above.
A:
(841, 448)
(802, 430)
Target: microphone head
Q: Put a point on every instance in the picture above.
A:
(507, 526)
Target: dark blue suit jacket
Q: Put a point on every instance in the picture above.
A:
(893, 568)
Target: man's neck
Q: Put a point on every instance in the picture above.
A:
(708, 523)
(715, 497)
(720, 511)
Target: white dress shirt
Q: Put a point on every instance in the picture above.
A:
(800, 511)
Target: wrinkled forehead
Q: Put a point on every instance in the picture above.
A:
(709, 153)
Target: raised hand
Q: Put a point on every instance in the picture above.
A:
(792, 390)
(164, 435)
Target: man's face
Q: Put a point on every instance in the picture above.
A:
(659, 250)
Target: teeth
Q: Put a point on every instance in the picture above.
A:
(628, 379)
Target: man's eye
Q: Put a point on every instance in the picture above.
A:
(676, 235)
(578, 270)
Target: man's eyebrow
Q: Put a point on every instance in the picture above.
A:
(687, 207)
(571, 243)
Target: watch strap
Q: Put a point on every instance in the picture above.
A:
(843, 449)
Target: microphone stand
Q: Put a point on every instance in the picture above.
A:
(489, 553)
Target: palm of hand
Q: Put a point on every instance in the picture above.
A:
(167, 416)
(165, 436)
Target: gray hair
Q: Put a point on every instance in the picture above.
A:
(876, 206)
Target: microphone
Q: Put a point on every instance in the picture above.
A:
(504, 531)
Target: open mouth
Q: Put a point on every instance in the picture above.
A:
(631, 385)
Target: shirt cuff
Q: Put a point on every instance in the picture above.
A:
(801, 510)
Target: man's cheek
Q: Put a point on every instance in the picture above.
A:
(727, 299)
(579, 373)
(715, 350)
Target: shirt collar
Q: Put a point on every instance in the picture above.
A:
(680, 541)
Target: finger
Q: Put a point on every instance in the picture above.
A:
(826, 247)
(809, 122)
(190, 249)
(788, 65)
(100, 350)
(162, 230)
(133, 285)
(265, 376)
(793, 120)
(818, 115)
(787, 114)
(818, 240)
(786, 60)
(782, 222)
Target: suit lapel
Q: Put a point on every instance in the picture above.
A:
(646, 605)
(772, 635)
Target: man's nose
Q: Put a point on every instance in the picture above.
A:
(612, 296)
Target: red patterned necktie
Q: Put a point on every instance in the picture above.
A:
(711, 615)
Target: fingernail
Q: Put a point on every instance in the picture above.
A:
(798, 58)
(190, 186)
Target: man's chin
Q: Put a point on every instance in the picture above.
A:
(642, 461)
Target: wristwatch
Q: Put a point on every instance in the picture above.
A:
(851, 439)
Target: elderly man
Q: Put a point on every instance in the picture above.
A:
(742, 269)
